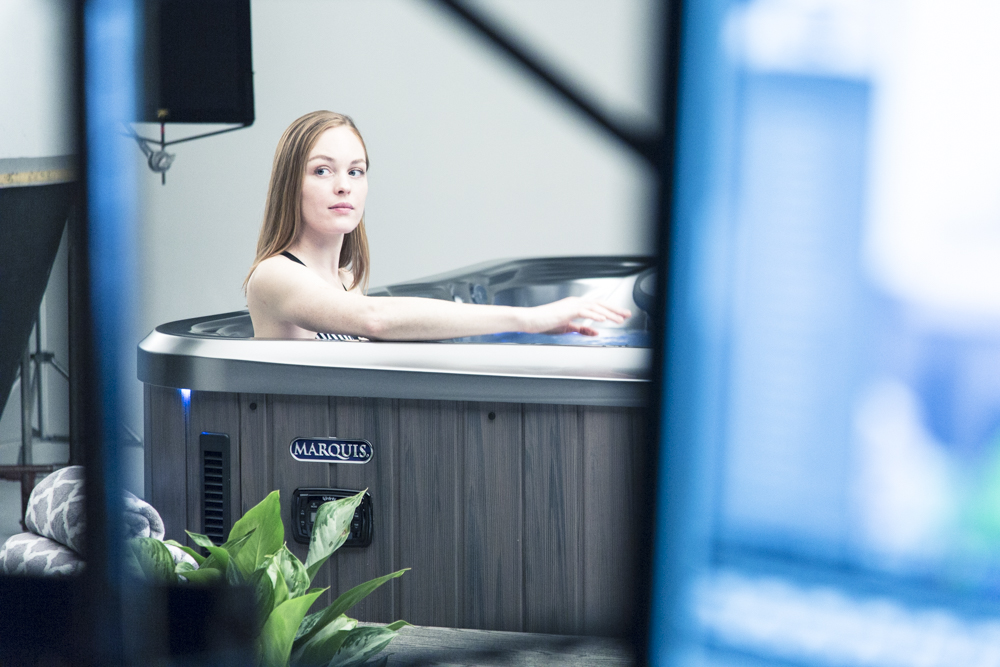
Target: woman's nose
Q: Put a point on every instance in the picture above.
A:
(341, 185)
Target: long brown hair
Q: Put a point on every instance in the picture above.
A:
(283, 210)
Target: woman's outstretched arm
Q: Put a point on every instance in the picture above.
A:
(281, 291)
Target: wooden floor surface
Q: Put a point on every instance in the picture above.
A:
(440, 647)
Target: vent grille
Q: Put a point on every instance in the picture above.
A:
(215, 486)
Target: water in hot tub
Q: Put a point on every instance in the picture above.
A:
(607, 338)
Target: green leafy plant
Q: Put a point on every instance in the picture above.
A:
(255, 555)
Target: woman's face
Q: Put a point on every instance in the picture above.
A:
(335, 184)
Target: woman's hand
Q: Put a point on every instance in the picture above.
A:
(560, 316)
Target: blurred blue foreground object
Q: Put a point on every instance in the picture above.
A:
(830, 462)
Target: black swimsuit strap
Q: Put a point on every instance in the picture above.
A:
(296, 259)
(292, 257)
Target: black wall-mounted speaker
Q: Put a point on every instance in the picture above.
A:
(197, 62)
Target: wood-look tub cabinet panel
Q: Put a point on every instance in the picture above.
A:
(553, 493)
(166, 458)
(255, 458)
(523, 521)
(609, 511)
(375, 420)
(492, 583)
(430, 512)
(294, 417)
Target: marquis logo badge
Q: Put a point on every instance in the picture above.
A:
(331, 450)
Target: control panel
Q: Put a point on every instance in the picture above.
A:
(305, 505)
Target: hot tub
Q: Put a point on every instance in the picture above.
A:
(502, 469)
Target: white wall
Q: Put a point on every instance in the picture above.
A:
(36, 112)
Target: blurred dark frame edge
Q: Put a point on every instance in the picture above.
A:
(95, 608)
(671, 25)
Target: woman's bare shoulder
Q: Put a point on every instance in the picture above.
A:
(276, 263)
(271, 284)
(274, 273)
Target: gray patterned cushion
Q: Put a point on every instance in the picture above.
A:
(56, 508)
(34, 555)
(56, 520)
(56, 511)
(141, 519)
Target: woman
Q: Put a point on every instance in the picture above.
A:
(311, 268)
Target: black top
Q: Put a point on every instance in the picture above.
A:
(292, 257)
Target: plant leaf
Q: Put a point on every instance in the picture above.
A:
(267, 534)
(203, 576)
(263, 592)
(320, 649)
(294, 571)
(224, 558)
(275, 641)
(234, 547)
(218, 559)
(314, 622)
(200, 540)
(330, 530)
(361, 644)
(153, 558)
(273, 570)
(131, 564)
(397, 626)
(236, 541)
(183, 567)
(198, 558)
(233, 575)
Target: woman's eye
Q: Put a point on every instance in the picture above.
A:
(322, 171)
(357, 172)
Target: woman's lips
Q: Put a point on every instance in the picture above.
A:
(342, 208)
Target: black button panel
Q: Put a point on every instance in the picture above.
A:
(306, 502)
